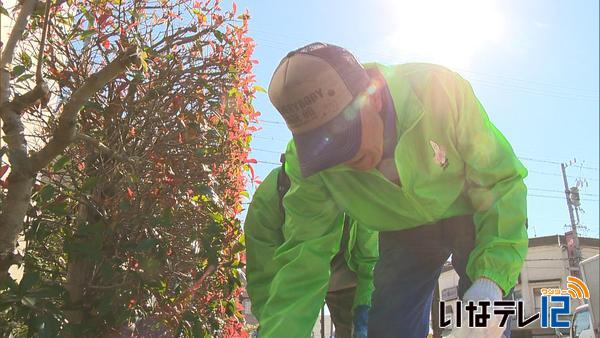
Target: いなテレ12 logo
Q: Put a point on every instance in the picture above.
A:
(557, 302)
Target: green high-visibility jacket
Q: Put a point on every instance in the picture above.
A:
(451, 161)
(263, 234)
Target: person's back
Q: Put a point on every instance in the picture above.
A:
(264, 234)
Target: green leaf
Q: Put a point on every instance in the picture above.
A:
(167, 217)
(87, 33)
(59, 209)
(91, 19)
(7, 300)
(24, 77)
(18, 70)
(237, 247)
(60, 163)
(260, 89)
(90, 249)
(29, 301)
(29, 280)
(45, 325)
(26, 59)
(125, 205)
(46, 193)
(93, 105)
(219, 35)
(47, 291)
(143, 56)
(163, 287)
(90, 183)
(3, 11)
(146, 244)
(217, 217)
(10, 284)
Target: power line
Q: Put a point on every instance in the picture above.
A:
(270, 138)
(268, 162)
(559, 191)
(271, 122)
(520, 157)
(553, 162)
(517, 87)
(530, 159)
(559, 198)
(270, 34)
(529, 195)
(267, 151)
(546, 259)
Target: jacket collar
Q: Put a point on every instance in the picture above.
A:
(409, 108)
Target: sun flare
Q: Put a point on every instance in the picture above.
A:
(447, 32)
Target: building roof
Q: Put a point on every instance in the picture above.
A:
(560, 239)
(589, 242)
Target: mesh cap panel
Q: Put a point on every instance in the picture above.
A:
(345, 64)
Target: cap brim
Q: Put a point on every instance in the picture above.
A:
(333, 143)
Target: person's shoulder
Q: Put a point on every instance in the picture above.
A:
(420, 75)
(424, 72)
(269, 185)
(431, 77)
(416, 69)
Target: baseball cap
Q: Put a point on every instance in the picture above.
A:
(315, 89)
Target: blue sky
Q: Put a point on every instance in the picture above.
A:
(533, 64)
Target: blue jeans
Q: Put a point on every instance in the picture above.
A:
(410, 262)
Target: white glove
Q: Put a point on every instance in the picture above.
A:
(482, 289)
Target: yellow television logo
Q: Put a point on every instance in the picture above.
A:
(576, 288)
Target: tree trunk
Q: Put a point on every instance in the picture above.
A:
(20, 181)
(80, 269)
(14, 209)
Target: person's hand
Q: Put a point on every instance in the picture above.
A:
(360, 321)
(483, 289)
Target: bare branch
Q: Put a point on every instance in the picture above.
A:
(38, 72)
(22, 102)
(104, 149)
(15, 35)
(65, 132)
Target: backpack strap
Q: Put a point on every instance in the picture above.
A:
(283, 184)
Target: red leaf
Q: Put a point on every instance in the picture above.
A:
(4, 169)
(252, 176)
(106, 44)
(102, 20)
(130, 193)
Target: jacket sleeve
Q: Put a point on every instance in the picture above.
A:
(262, 230)
(363, 256)
(312, 233)
(496, 189)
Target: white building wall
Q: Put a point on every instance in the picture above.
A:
(544, 267)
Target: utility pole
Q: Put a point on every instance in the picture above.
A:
(568, 193)
(330, 327)
(435, 311)
(323, 322)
